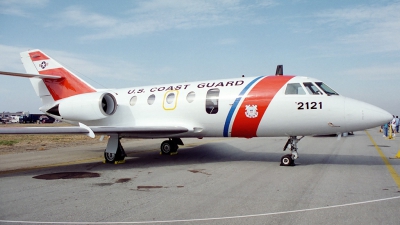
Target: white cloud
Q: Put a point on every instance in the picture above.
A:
(77, 16)
(10, 59)
(95, 70)
(91, 68)
(368, 29)
(159, 15)
(20, 8)
(378, 73)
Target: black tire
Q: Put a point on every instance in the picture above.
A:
(287, 160)
(168, 147)
(118, 156)
(109, 157)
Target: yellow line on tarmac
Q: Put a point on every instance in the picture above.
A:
(392, 171)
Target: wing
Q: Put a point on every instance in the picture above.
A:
(43, 130)
(143, 131)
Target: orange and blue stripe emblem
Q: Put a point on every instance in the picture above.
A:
(260, 92)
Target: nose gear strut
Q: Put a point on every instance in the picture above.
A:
(288, 160)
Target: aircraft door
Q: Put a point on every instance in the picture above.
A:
(170, 100)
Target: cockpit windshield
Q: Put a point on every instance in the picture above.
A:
(294, 89)
(326, 89)
(311, 88)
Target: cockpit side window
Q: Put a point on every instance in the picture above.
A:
(312, 89)
(294, 89)
(326, 89)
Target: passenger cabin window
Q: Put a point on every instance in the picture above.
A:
(190, 96)
(312, 89)
(212, 101)
(151, 99)
(326, 89)
(133, 100)
(294, 89)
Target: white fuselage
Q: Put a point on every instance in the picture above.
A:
(242, 107)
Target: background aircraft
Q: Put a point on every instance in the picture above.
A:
(263, 106)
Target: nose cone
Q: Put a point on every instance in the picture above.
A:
(360, 115)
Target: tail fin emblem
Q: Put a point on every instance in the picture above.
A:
(43, 64)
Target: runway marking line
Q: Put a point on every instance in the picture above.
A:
(389, 166)
(210, 219)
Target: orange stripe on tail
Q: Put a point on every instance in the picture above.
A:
(68, 85)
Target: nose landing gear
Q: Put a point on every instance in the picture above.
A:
(288, 160)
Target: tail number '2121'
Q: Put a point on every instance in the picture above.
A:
(309, 105)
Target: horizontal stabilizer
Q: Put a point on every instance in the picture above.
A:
(27, 75)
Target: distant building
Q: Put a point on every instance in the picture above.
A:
(9, 114)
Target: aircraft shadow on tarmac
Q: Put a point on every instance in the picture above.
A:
(218, 152)
(223, 152)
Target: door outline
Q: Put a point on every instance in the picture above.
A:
(170, 105)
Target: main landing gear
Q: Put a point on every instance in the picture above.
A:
(288, 160)
(115, 153)
(170, 147)
(112, 155)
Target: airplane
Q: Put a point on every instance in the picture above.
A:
(245, 107)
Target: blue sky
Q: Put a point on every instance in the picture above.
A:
(353, 46)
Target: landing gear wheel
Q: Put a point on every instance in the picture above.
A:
(287, 160)
(165, 147)
(109, 157)
(168, 147)
(118, 156)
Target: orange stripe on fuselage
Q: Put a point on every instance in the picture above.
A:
(67, 86)
(261, 95)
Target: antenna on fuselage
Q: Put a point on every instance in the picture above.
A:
(279, 70)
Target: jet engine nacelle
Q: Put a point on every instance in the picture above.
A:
(90, 106)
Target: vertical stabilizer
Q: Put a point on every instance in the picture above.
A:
(50, 90)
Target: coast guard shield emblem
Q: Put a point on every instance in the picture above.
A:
(251, 111)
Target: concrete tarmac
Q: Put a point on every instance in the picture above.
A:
(210, 181)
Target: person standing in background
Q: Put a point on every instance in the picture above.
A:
(385, 129)
(393, 126)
